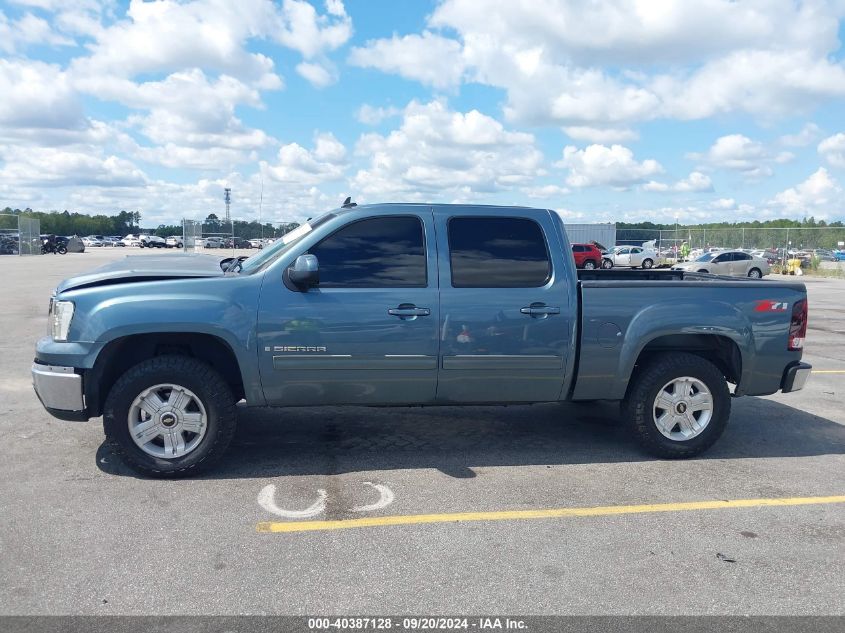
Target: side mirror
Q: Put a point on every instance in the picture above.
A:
(305, 272)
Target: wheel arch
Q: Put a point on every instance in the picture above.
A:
(125, 352)
(720, 350)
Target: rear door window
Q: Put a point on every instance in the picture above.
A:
(498, 253)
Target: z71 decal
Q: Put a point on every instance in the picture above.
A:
(771, 306)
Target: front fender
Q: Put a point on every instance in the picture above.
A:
(217, 307)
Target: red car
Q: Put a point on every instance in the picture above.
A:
(586, 256)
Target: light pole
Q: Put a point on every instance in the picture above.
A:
(676, 237)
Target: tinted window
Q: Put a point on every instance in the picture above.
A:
(741, 257)
(387, 252)
(497, 253)
(577, 248)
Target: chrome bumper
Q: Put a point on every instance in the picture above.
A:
(58, 387)
(795, 377)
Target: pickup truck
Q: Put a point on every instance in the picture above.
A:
(407, 304)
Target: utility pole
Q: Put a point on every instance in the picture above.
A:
(227, 198)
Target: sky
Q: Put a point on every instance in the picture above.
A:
(609, 110)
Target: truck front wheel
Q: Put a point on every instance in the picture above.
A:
(677, 405)
(170, 416)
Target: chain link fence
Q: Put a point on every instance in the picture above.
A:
(19, 235)
(772, 239)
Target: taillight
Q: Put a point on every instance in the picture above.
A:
(798, 326)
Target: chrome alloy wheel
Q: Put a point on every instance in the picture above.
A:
(683, 408)
(167, 421)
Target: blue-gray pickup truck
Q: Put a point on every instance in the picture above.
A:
(407, 304)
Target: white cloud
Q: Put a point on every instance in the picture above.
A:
(317, 74)
(436, 152)
(820, 196)
(303, 29)
(833, 150)
(28, 29)
(600, 134)
(612, 166)
(427, 58)
(695, 182)
(737, 152)
(302, 167)
(809, 133)
(370, 115)
(167, 36)
(37, 95)
(676, 59)
(52, 167)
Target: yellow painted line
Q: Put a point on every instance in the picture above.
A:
(828, 371)
(551, 513)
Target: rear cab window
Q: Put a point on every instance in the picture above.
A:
(497, 252)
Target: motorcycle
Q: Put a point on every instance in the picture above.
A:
(51, 245)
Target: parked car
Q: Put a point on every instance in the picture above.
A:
(586, 256)
(256, 243)
(91, 241)
(633, 257)
(131, 240)
(174, 241)
(213, 242)
(824, 255)
(733, 263)
(151, 241)
(237, 242)
(399, 305)
(840, 256)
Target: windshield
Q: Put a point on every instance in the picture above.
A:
(706, 257)
(282, 245)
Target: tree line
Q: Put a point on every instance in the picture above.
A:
(129, 222)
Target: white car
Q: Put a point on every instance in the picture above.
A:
(633, 257)
(131, 240)
(213, 242)
(90, 241)
(256, 243)
(174, 241)
(733, 263)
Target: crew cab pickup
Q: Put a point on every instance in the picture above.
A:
(407, 304)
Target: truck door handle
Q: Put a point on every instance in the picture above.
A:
(408, 311)
(539, 310)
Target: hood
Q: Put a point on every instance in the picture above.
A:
(135, 268)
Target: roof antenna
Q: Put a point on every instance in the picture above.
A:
(348, 204)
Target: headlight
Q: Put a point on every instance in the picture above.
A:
(61, 314)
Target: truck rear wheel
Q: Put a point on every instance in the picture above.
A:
(170, 416)
(678, 405)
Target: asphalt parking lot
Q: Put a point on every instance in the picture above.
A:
(79, 534)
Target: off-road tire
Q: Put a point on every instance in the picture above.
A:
(202, 380)
(649, 378)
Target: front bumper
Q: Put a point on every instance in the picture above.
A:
(795, 377)
(60, 391)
